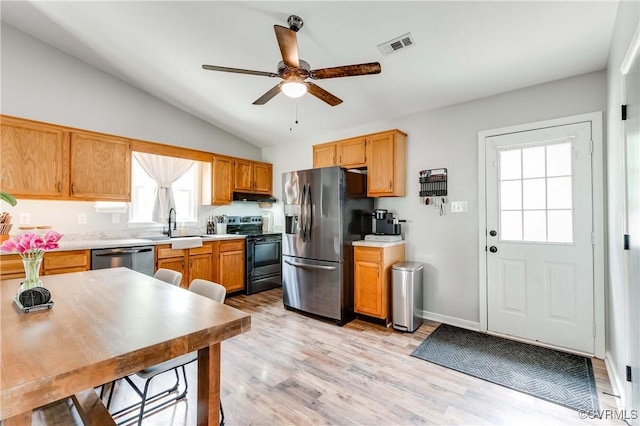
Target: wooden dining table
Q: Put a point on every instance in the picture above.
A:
(104, 325)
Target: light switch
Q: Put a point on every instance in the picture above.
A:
(459, 207)
(82, 218)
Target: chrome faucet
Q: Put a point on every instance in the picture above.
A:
(168, 233)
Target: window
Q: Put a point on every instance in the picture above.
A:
(185, 191)
(536, 194)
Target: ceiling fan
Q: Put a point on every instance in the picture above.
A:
(294, 71)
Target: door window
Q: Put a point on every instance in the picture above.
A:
(535, 201)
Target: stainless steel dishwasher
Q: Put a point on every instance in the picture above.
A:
(139, 258)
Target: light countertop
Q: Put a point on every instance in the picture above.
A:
(131, 242)
(382, 244)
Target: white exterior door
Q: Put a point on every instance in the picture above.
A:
(540, 236)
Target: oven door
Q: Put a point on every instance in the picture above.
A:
(266, 254)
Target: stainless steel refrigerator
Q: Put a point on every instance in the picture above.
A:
(325, 211)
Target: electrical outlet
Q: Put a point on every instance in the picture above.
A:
(82, 218)
(25, 218)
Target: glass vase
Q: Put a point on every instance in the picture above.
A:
(32, 273)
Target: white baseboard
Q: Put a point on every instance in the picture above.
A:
(618, 386)
(469, 325)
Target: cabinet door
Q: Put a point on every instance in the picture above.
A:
(262, 178)
(221, 180)
(231, 270)
(200, 267)
(368, 289)
(380, 165)
(352, 153)
(175, 264)
(11, 266)
(33, 159)
(243, 175)
(324, 155)
(100, 167)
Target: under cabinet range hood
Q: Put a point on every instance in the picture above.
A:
(253, 198)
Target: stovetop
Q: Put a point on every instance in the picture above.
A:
(247, 225)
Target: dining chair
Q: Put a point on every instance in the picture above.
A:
(204, 288)
(169, 276)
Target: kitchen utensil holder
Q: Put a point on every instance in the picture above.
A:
(433, 182)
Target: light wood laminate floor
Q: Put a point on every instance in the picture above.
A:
(291, 369)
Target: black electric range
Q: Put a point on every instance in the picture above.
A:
(263, 264)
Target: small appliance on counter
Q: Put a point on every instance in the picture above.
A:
(386, 227)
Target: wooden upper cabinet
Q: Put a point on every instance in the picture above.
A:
(252, 176)
(100, 167)
(32, 159)
(387, 164)
(243, 175)
(352, 152)
(324, 155)
(262, 178)
(221, 180)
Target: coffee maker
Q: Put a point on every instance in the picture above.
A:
(385, 223)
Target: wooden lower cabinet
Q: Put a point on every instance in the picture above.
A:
(56, 262)
(217, 261)
(176, 260)
(372, 279)
(230, 267)
(61, 262)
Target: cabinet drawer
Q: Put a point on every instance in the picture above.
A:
(76, 259)
(231, 245)
(205, 249)
(371, 254)
(11, 267)
(166, 251)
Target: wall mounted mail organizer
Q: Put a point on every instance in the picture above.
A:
(433, 182)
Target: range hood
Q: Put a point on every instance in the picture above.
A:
(253, 198)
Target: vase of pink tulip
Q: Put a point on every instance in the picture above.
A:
(31, 247)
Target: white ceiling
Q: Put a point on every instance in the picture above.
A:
(463, 51)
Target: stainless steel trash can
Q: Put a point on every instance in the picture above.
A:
(406, 295)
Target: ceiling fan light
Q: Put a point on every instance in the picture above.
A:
(294, 89)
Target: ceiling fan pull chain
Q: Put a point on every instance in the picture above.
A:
(296, 112)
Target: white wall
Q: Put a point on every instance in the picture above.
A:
(42, 83)
(626, 23)
(447, 137)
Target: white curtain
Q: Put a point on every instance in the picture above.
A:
(164, 170)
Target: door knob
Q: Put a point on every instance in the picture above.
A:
(493, 249)
(493, 233)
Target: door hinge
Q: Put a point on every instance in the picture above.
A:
(591, 146)
(626, 241)
(624, 112)
(629, 373)
(593, 238)
(594, 329)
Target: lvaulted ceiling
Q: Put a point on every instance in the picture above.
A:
(462, 51)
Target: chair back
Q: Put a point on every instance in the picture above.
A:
(169, 276)
(208, 289)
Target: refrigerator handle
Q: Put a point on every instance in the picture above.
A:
(309, 212)
(305, 266)
(303, 212)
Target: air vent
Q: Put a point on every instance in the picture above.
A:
(398, 43)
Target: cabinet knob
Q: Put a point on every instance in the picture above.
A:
(59, 187)
(73, 188)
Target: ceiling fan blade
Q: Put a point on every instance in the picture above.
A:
(322, 94)
(269, 95)
(239, 71)
(288, 42)
(346, 71)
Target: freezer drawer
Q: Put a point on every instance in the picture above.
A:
(313, 286)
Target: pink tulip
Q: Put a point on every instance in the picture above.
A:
(31, 243)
